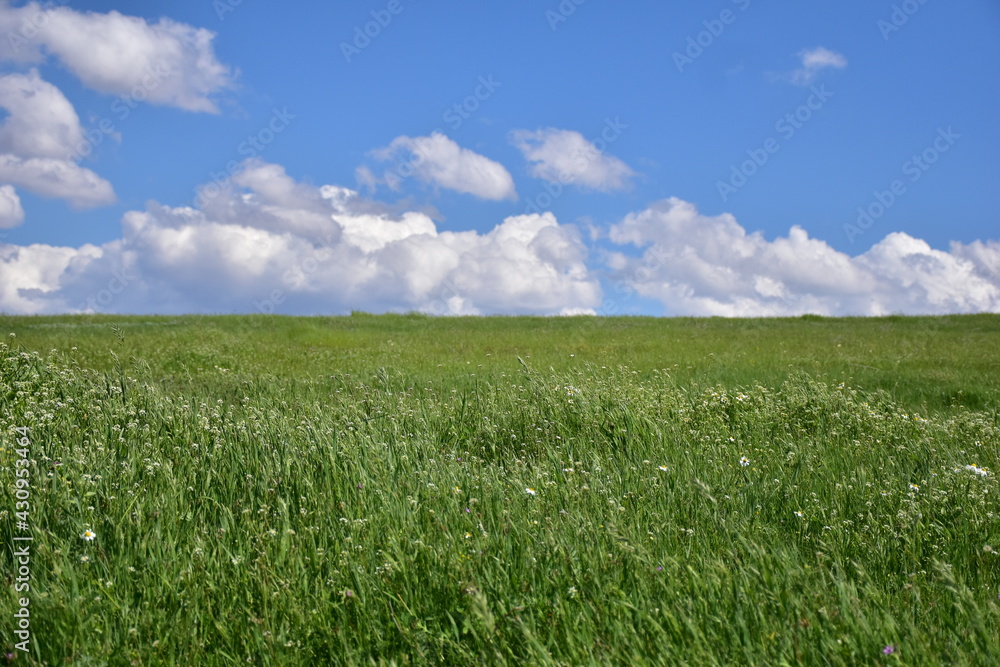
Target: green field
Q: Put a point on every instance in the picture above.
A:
(403, 489)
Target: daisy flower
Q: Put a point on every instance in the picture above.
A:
(89, 535)
(744, 461)
(530, 491)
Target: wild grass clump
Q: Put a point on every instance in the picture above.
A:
(593, 517)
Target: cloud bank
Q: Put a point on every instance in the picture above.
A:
(268, 243)
(701, 265)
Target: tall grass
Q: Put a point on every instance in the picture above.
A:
(929, 364)
(592, 516)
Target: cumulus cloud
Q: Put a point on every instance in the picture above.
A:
(42, 122)
(11, 213)
(267, 243)
(813, 62)
(57, 178)
(173, 63)
(703, 265)
(565, 156)
(438, 160)
(37, 139)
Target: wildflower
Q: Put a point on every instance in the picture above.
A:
(744, 461)
(456, 489)
(799, 514)
(89, 535)
(84, 559)
(662, 468)
(468, 536)
(889, 650)
(914, 487)
(976, 469)
(572, 591)
(530, 491)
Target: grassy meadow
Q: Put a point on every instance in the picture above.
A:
(408, 490)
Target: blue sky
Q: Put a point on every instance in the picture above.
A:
(671, 216)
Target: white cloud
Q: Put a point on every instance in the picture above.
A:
(565, 156)
(323, 249)
(439, 160)
(165, 62)
(30, 277)
(269, 242)
(42, 122)
(56, 178)
(11, 213)
(814, 61)
(37, 138)
(701, 265)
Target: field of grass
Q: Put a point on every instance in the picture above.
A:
(503, 491)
